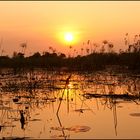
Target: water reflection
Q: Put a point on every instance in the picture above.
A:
(44, 104)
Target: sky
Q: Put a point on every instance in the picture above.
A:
(42, 24)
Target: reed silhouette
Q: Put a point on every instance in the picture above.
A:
(22, 119)
(95, 61)
(91, 58)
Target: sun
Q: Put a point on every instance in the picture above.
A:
(68, 37)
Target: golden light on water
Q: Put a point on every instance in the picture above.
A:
(70, 86)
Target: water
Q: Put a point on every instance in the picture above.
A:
(93, 105)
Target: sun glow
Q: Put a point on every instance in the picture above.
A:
(68, 37)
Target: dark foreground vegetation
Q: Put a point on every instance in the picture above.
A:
(92, 60)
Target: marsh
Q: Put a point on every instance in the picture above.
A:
(93, 105)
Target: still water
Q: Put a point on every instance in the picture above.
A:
(48, 105)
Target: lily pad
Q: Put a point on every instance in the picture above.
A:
(5, 108)
(57, 128)
(35, 120)
(57, 136)
(79, 128)
(16, 138)
(76, 128)
(81, 110)
(135, 114)
(120, 106)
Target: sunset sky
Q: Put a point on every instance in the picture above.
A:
(44, 23)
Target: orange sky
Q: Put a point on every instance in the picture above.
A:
(42, 24)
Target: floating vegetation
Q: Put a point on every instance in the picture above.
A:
(119, 106)
(116, 96)
(37, 114)
(5, 108)
(76, 128)
(81, 110)
(57, 128)
(7, 125)
(16, 138)
(58, 136)
(15, 100)
(35, 120)
(135, 114)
